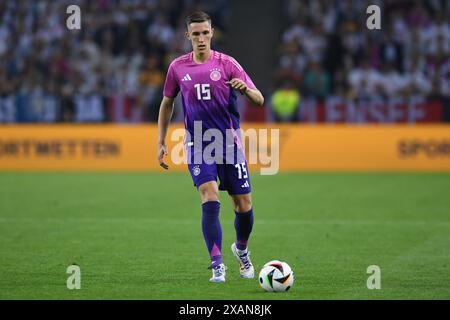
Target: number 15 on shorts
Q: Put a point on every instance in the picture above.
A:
(241, 170)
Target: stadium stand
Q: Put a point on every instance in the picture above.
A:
(113, 68)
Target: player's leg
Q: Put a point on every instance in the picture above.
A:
(235, 179)
(204, 177)
(212, 231)
(243, 224)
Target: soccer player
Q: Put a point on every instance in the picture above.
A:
(208, 81)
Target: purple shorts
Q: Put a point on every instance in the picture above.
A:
(234, 178)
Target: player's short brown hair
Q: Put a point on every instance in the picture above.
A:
(197, 16)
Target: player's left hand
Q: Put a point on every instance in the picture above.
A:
(238, 84)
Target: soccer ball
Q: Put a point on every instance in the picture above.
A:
(276, 276)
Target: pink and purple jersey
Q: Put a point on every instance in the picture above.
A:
(205, 94)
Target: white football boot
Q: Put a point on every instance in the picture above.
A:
(245, 265)
(218, 273)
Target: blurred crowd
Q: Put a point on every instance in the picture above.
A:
(112, 69)
(327, 50)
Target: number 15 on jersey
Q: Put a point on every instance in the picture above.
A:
(203, 91)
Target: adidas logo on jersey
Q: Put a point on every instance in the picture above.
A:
(245, 185)
(186, 77)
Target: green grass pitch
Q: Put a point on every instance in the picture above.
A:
(138, 236)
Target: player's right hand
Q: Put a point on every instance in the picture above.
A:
(162, 151)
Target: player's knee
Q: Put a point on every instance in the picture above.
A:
(243, 204)
(208, 193)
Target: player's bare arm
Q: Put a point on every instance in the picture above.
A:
(254, 95)
(165, 114)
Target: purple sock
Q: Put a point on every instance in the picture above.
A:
(212, 231)
(243, 224)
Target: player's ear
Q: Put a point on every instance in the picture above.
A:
(187, 35)
(212, 31)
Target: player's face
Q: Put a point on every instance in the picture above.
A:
(200, 35)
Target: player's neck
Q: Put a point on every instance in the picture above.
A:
(201, 57)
